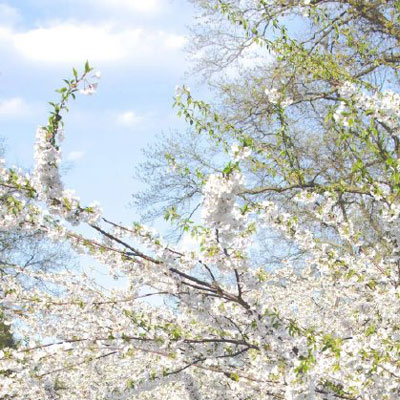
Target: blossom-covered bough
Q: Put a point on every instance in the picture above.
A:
(325, 326)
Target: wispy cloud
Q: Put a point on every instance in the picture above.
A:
(129, 119)
(75, 155)
(14, 107)
(75, 42)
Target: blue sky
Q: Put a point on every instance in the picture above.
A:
(138, 45)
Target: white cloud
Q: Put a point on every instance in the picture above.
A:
(14, 107)
(74, 43)
(129, 119)
(174, 41)
(75, 155)
(71, 43)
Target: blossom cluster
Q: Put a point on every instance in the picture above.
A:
(278, 98)
(49, 187)
(382, 106)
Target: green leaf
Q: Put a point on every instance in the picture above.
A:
(234, 376)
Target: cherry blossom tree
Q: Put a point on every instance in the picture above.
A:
(323, 326)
